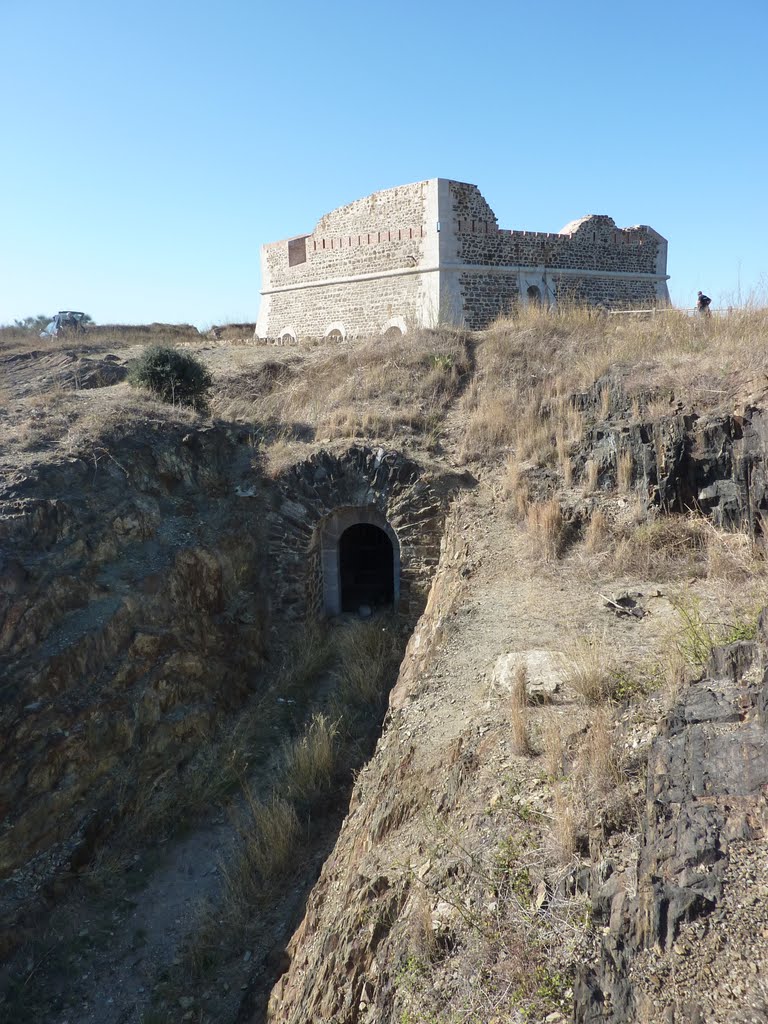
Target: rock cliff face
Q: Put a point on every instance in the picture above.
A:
(132, 616)
(685, 922)
(682, 459)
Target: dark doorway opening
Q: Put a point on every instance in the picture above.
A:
(366, 568)
(534, 295)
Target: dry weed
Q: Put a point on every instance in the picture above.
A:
(310, 760)
(600, 762)
(663, 548)
(553, 747)
(624, 471)
(733, 555)
(546, 528)
(515, 488)
(269, 843)
(518, 713)
(565, 828)
(598, 533)
(591, 470)
(591, 669)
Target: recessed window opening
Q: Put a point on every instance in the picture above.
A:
(534, 295)
(297, 251)
(366, 568)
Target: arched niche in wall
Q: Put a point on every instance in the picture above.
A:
(335, 332)
(395, 327)
(359, 561)
(287, 336)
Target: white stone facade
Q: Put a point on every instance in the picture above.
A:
(432, 253)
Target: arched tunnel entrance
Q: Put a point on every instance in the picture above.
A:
(359, 561)
(366, 568)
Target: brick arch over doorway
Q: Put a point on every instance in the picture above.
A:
(327, 494)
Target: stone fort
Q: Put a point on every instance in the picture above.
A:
(432, 253)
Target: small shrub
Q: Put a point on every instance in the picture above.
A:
(173, 376)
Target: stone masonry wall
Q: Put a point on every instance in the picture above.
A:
(445, 228)
(361, 306)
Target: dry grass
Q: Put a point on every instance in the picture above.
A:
(310, 760)
(553, 747)
(366, 659)
(591, 471)
(269, 841)
(600, 762)
(528, 363)
(591, 669)
(597, 533)
(567, 816)
(518, 713)
(546, 529)
(97, 338)
(374, 387)
(514, 487)
(624, 470)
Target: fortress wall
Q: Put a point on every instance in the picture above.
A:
(466, 202)
(343, 256)
(610, 292)
(446, 224)
(361, 306)
(630, 251)
(486, 297)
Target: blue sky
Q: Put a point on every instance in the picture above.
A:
(148, 148)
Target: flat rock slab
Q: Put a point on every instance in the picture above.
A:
(544, 672)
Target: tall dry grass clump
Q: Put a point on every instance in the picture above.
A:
(518, 712)
(546, 529)
(310, 760)
(514, 487)
(591, 668)
(597, 533)
(591, 470)
(553, 746)
(624, 470)
(269, 843)
(600, 761)
(366, 659)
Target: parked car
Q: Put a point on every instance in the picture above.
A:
(66, 321)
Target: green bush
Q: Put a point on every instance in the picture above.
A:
(173, 376)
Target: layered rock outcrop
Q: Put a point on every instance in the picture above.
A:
(683, 936)
(714, 463)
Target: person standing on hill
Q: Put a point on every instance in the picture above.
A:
(702, 304)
